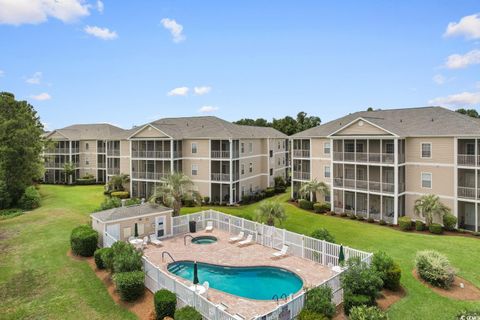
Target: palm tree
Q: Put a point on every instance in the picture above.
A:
(312, 187)
(69, 169)
(269, 211)
(117, 182)
(172, 189)
(429, 206)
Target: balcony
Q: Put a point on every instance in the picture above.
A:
(220, 177)
(364, 185)
(301, 175)
(217, 154)
(388, 158)
(301, 153)
(58, 150)
(468, 160)
(149, 175)
(113, 152)
(468, 193)
(151, 154)
(101, 150)
(101, 165)
(177, 154)
(113, 171)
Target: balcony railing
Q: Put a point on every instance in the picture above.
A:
(468, 193)
(364, 157)
(365, 185)
(301, 175)
(220, 177)
(220, 154)
(300, 153)
(177, 154)
(113, 152)
(151, 154)
(101, 150)
(58, 150)
(468, 160)
(148, 175)
(101, 165)
(113, 171)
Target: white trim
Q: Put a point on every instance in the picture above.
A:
(317, 158)
(329, 148)
(130, 218)
(429, 164)
(363, 119)
(411, 193)
(145, 126)
(196, 147)
(421, 180)
(325, 171)
(421, 149)
(191, 172)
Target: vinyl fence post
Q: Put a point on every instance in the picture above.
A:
(324, 255)
(303, 247)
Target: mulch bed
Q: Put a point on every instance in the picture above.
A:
(143, 308)
(468, 293)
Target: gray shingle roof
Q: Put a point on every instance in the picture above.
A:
(410, 122)
(129, 212)
(95, 131)
(211, 127)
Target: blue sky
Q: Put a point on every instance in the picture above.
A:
(130, 62)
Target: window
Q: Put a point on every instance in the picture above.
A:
(470, 148)
(426, 150)
(250, 167)
(194, 147)
(278, 161)
(327, 198)
(87, 162)
(349, 147)
(141, 228)
(243, 191)
(326, 148)
(326, 171)
(278, 145)
(194, 169)
(271, 153)
(360, 147)
(242, 168)
(426, 180)
(251, 188)
(250, 147)
(390, 148)
(86, 146)
(242, 147)
(271, 171)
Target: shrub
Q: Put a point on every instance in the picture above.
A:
(280, 189)
(107, 258)
(310, 315)
(305, 204)
(388, 270)
(352, 216)
(435, 228)
(98, 257)
(405, 223)
(323, 234)
(476, 234)
(85, 181)
(279, 181)
(125, 257)
(165, 303)
(30, 199)
(270, 192)
(367, 313)
(321, 207)
(419, 225)
(206, 200)
(449, 222)
(109, 203)
(132, 201)
(120, 194)
(83, 241)
(351, 301)
(319, 300)
(187, 313)
(246, 199)
(370, 220)
(5, 198)
(382, 222)
(343, 214)
(189, 203)
(435, 268)
(130, 285)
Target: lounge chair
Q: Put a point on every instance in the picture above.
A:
(154, 240)
(206, 285)
(209, 227)
(281, 253)
(238, 316)
(238, 237)
(222, 306)
(247, 241)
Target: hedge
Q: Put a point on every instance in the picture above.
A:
(435, 228)
(280, 189)
(165, 303)
(130, 285)
(206, 200)
(367, 313)
(405, 223)
(120, 194)
(388, 269)
(351, 300)
(30, 199)
(321, 207)
(270, 192)
(187, 313)
(83, 241)
(310, 315)
(323, 234)
(98, 257)
(305, 204)
(449, 222)
(419, 225)
(85, 181)
(319, 300)
(189, 203)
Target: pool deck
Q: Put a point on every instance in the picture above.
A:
(224, 253)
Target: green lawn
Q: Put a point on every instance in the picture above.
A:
(38, 280)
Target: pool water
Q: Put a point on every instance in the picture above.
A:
(204, 240)
(259, 283)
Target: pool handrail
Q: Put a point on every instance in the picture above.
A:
(167, 253)
(185, 239)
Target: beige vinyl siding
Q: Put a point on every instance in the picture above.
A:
(361, 130)
(410, 205)
(318, 167)
(442, 179)
(258, 183)
(442, 150)
(202, 148)
(203, 169)
(124, 148)
(317, 148)
(259, 166)
(259, 147)
(149, 132)
(202, 187)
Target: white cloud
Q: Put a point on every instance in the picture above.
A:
(202, 90)
(468, 26)
(458, 61)
(458, 100)
(100, 6)
(2, 73)
(102, 33)
(175, 29)
(180, 91)
(36, 78)
(42, 96)
(18, 12)
(439, 79)
(207, 109)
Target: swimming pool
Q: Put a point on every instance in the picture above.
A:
(204, 239)
(259, 283)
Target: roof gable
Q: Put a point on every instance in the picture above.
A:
(149, 131)
(361, 127)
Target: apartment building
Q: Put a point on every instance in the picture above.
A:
(101, 150)
(225, 161)
(377, 163)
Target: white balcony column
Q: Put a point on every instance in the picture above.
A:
(230, 171)
(368, 151)
(368, 186)
(171, 156)
(70, 159)
(355, 203)
(343, 201)
(476, 173)
(130, 166)
(381, 154)
(292, 170)
(395, 181)
(455, 177)
(268, 161)
(210, 169)
(381, 206)
(332, 172)
(355, 155)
